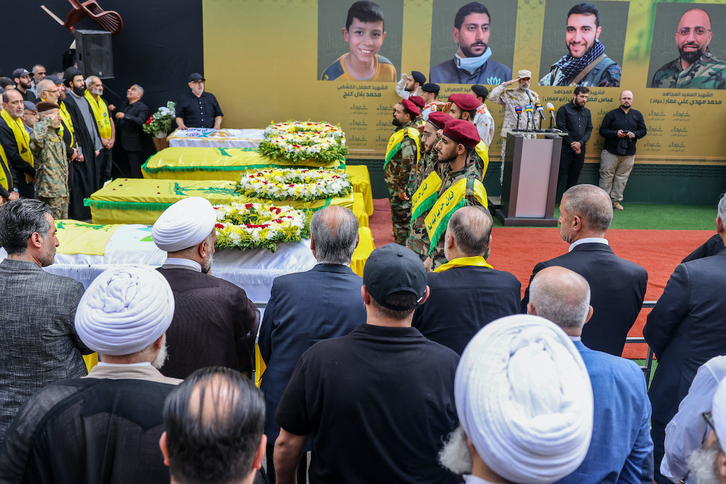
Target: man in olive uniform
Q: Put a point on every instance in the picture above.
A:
(402, 155)
(510, 98)
(51, 179)
(460, 185)
(418, 239)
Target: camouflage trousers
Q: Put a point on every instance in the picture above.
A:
(401, 218)
(418, 238)
(58, 206)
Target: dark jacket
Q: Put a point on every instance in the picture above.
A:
(616, 120)
(617, 289)
(490, 72)
(17, 165)
(462, 301)
(130, 126)
(577, 121)
(296, 318)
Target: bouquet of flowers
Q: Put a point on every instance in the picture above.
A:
(304, 142)
(159, 124)
(294, 184)
(259, 226)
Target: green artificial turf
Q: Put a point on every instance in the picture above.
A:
(659, 217)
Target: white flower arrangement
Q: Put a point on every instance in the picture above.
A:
(295, 184)
(259, 226)
(304, 142)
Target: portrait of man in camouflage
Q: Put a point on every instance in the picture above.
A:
(696, 67)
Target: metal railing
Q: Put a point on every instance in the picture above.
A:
(648, 367)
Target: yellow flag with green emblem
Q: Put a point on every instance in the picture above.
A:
(452, 200)
(394, 143)
(425, 196)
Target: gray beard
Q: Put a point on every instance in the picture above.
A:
(701, 466)
(455, 455)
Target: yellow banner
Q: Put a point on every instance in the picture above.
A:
(426, 195)
(394, 143)
(452, 199)
(4, 160)
(100, 114)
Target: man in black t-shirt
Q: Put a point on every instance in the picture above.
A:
(197, 108)
(380, 401)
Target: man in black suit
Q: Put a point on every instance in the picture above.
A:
(618, 286)
(466, 293)
(128, 126)
(307, 307)
(685, 329)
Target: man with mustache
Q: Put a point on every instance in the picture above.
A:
(471, 63)
(586, 63)
(695, 67)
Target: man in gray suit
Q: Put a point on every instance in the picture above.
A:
(105, 427)
(39, 344)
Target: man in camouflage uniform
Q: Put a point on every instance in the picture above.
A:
(457, 143)
(510, 98)
(401, 158)
(464, 106)
(696, 67)
(418, 239)
(51, 180)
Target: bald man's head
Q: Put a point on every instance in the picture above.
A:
(561, 296)
(471, 228)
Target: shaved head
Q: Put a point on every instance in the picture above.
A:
(561, 296)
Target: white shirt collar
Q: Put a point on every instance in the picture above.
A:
(471, 479)
(184, 262)
(589, 240)
(575, 338)
(124, 365)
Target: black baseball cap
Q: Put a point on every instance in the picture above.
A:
(20, 73)
(418, 77)
(431, 87)
(394, 269)
(196, 77)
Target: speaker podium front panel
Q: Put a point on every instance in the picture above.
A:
(531, 171)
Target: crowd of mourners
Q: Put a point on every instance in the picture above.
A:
(401, 375)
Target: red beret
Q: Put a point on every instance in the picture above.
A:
(467, 102)
(411, 107)
(439, 119)
(463, 132)
(417, 100)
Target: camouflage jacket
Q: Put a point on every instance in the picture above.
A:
(51, 164)
(606, 73)
(399, 172)
(706, 73)
(418, 239)
(511, 97)
(438, 258)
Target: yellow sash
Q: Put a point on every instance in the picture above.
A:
(394, 143)
(4, 161)
(66, 116)
(452, 200)
(100, 114)
(483, 152)
(21, 137)
(425, 196)
(464, 262)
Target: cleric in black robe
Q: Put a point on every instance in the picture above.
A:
(82, 176)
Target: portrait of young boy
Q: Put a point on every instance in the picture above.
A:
(364, 32)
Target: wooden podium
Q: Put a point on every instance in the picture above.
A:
(531, 172)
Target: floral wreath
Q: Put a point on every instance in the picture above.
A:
(294, 184)
(259, 226)
(304, 142)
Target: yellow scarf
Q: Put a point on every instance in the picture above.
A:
(66, 116)
(21, 137)
(394, 143)
(478, 261)
(483, 152)
(425, 196)
(100, 114)
(4, 161)
(452, 200)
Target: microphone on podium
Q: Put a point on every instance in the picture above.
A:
(538, 107)
(518, 110)
(528, 111)
(551, 109)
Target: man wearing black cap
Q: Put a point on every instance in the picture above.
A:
(30, 116)
(429, 93)
(483, 119)
(197, 108)
(410, 86)
(388, 397)
(23, 85)
(460, 187)
(402, 155)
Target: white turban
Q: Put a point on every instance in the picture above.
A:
(185, 224)
(718, 412)
(524, 399)
(124, 310)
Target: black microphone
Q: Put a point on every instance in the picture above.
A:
(538, 107)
